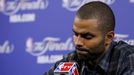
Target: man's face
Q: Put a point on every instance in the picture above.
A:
(88, 39)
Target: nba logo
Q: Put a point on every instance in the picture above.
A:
(2, 5)
(66, 68)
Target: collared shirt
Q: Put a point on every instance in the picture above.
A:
(119, 60)
(104, 63)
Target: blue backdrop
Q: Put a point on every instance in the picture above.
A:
(36, 33)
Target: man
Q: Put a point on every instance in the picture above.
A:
(96, 53)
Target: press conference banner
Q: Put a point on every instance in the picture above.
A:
(34, 34)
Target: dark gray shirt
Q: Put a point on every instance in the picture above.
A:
(119, 60)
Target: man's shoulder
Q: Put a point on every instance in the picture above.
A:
(121, 50)
(124, 47)
(121, 56)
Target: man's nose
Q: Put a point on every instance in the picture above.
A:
(79, 41)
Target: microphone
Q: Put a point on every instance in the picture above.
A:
(66, 68)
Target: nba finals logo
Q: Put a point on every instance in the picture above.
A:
(16, 9)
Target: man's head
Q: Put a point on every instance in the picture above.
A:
(99, 11)
(94, 30)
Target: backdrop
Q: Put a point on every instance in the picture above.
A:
(34, 34)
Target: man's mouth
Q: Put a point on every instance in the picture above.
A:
(81, 51)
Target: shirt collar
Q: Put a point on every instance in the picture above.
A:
(104, 63)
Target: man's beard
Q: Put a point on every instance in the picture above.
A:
(91, 56)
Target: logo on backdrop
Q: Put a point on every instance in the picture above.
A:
(51, 49)
(124, 37)
(2, 5)
(48, 44)
(6, 47)
(131, 1)
(109, 2)
(74, 5)
(15, 8)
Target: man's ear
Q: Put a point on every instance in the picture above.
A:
(109, 37)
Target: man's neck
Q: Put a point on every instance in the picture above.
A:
(97, 61)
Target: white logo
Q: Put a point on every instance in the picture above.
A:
(2, 5)
(22, 18)
(72, 5)
(6, 48)
(131, 1)
(48, 44)
(105, 1)
(43, 59)
(119, 37)
(124, 37)
(12, 7)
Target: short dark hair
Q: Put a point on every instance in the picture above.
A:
(98, 10)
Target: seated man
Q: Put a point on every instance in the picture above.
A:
(96, 53)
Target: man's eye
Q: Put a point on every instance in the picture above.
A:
(87, 36)
(76, 34)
